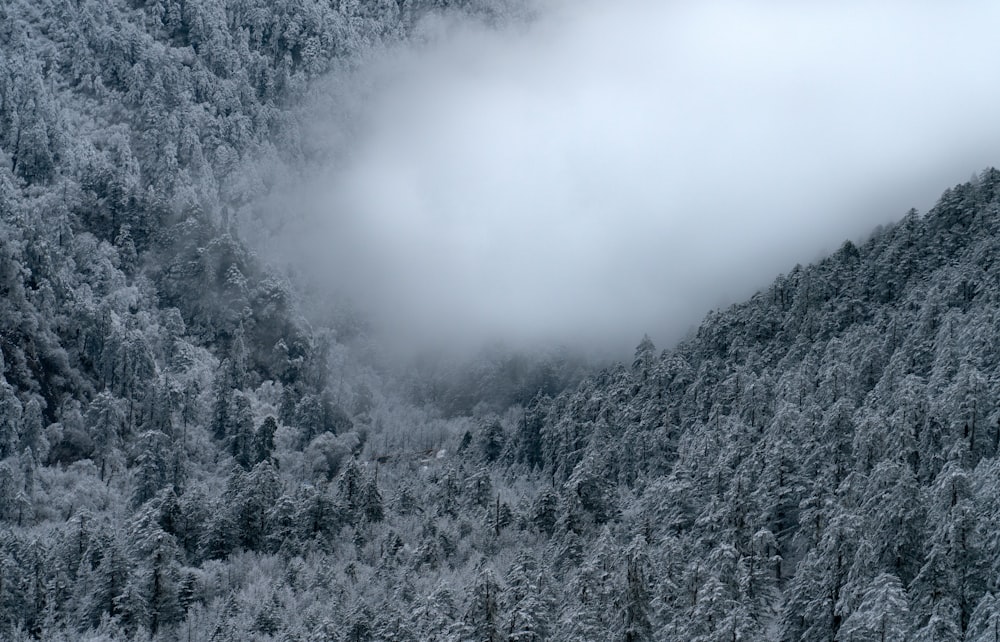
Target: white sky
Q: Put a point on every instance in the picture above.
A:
(622, 167)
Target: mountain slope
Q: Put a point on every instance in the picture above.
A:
(183, 455)
(828, 444)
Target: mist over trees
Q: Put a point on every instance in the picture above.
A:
(188, 451)
(608, 169)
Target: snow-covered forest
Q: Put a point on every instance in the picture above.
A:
(193, 448)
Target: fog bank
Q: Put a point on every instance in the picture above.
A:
(618, 168)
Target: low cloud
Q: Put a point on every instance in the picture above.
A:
(611, 169)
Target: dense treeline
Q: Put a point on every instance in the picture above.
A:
(184, 456)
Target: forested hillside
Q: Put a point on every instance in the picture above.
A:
(185, 454)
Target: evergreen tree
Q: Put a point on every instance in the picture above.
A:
(263, 440)
(985, 623)
(482, 620)
(152, 465)
(883, 614)
(637, 624)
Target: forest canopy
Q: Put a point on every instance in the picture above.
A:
(192, 446)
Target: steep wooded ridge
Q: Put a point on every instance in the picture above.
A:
(184, 457)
